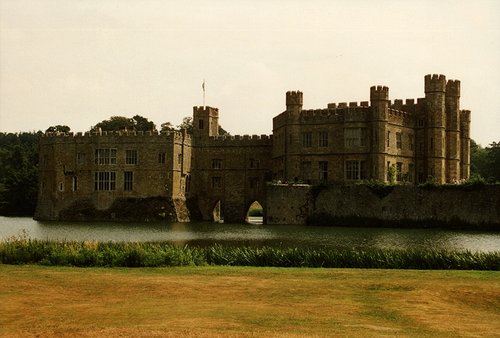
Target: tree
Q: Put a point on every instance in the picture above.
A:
(18, 173)
(58, 129)
(117, 123)
(167, 126)
(485, 162)
(187, 123)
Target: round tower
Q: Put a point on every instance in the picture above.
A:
(292, 135)
(379, 102)
(452, 103)
(294, 100)
(435, 89)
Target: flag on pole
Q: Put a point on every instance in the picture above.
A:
(203, 87)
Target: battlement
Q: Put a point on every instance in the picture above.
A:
(453, 88)
(465, 116)
(240, 140)
(350, 105)
(206, 110)
(337, 113)
(407, 105)
(379, 93)
(71, 137)
(294, 97)
(399, 113)
(435, 83)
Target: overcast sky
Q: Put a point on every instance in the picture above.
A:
(79, 62)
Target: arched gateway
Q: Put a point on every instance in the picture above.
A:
(230, 169)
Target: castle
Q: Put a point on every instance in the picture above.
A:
(180, 176)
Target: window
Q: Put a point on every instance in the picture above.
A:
(201, 124)
(388, 138)
(306, 171)
(216, 182)
(354, 137)
(80, 158)
(75, 183)
(179, 159)
(420, 122)
(355, 170)
(131, 156)
(128, 180)
(323, 139)
(432, 143)
(411, 141)
(105, 180)
(216, 163)
(323, 171)
(399, 171)
(105, 156)
(161, 158)
(306, 139)
(254, 163)
(399, 141)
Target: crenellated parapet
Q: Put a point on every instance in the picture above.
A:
(379, 93)
(115, 136)
(337, 113)
(206, 110)
(239, 140)
(435, 83)
(453, 88)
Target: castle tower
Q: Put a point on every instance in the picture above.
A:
(435, 89)
(292, 135)
(465, 144)
(379, 101)
(205, 122)
(453, 131)
(294, 100)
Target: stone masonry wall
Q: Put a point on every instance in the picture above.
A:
(358, 205)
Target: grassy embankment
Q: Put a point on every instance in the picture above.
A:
(247, 301)
(95, 254)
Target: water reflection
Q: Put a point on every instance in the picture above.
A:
(252, 234)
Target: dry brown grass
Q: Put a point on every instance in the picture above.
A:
(247, 302)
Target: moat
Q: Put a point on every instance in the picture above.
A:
(252, 234)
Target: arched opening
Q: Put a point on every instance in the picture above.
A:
(218, 213)
(255, 213)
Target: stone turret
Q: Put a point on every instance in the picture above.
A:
(465, 144)
(379, 101)
(435, 92)
(452, 104)
(294, 100)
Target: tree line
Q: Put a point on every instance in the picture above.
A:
(19, 160)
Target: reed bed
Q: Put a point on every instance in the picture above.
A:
(160, 254)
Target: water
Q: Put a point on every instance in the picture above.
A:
(251, 234)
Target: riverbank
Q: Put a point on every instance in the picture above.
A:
(161, 254)
(244, 302)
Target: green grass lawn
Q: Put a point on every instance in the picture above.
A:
(246, 301)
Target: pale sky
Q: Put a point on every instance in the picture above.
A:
(77, 63)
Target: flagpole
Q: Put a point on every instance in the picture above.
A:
(203, 86)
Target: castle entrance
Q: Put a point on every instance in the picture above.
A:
(255, 213)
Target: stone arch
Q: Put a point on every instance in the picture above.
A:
(254, 213)
(218, 212)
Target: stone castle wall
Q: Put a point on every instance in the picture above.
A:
(359, 205)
